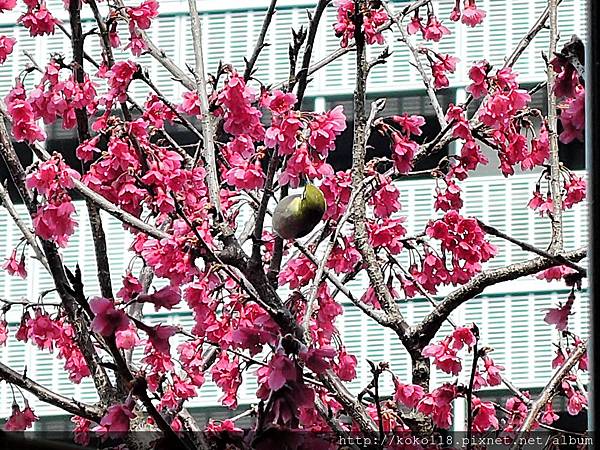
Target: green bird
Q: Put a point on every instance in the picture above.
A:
(297, 215)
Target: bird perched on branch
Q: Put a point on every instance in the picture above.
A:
(297, 215)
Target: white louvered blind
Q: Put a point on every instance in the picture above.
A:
(510, 315)
(231, 30)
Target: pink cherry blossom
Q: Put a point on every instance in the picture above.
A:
(336, 189)
(494, 377)
(7, 5)
(343, 257)
(24, 127)
(159, 336)
(434, 30)
(385, 199)
(478, 76)
(297, 273)
(555, 273)
(318, 359)
(575, 188)
(190, 104)
(116, 420)
(136, 44)
(128, 338)
(279, 102)
(42, 330)
(549, 416)
(166, 297)
(281, 369)
(484, 417)
(567, 78)
(142, 15)
(576, 402)
(14, 267)
(245, 175)
(107, 318)
(387, 233)
(463, 336)
(345, 367)
(3, 332)
(131, 287)
(226, 374)
(241, 118)
(444, 357)
(559, 317)
(38, 20)
(438, 405)
(472, 15)
(572, 117)
(373, 18)
(415, 25)
(408, 394)
(6, 47)
(219, 426)
(20, 420)
(81, 430)
(403, 151)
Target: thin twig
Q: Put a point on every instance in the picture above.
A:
(547, 393)
(7, 203)
(435, 103)
(260, 42)
(559, 259)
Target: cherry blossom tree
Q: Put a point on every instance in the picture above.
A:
(255, 142)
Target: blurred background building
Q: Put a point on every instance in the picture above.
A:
(510, 315)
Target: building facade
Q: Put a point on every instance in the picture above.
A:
(510, 315)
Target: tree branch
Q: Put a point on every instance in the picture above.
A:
(426, 330)
(361, 134)
(206, 116)
(260, 43)
(302, 75)
(556, 243)
(435, 103)
(93, 413)
(7, 203)
(83, 132)
(547, 394)
(559, 259)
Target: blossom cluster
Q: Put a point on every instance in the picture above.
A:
(373, 17)
(54, 218)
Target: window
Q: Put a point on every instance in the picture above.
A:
(379, 146)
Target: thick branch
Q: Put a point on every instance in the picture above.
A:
(90, 412)
(361, 132)
(206, 116)
(426, 330)
(83, 132)
(556, 244)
